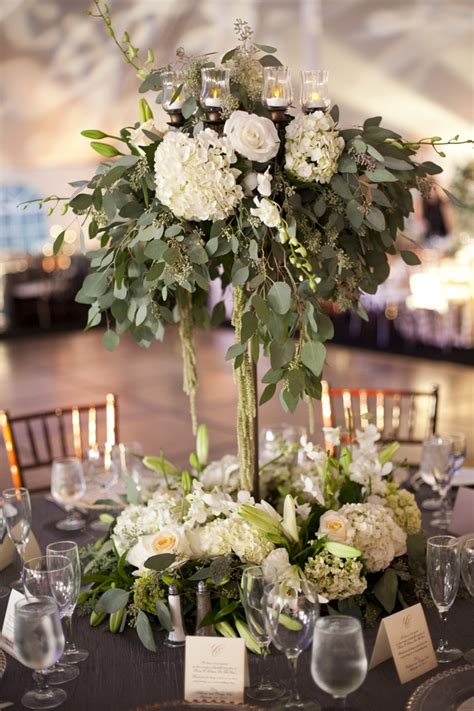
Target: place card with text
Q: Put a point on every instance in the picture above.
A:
(214, 671)
(405, 637)
(6, 638)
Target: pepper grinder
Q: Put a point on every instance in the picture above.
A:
(203, 604)
(177, 636)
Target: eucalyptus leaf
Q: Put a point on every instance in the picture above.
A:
(410, 257)
(110, 339)
(164, 615)
(112, 600)
(313, 355)
(160, 562)
(279, 298)
(385, 590)
(144, 631)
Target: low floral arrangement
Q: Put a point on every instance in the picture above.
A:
(338, 521)
(293, 211)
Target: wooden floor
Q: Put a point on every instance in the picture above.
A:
(74, 368)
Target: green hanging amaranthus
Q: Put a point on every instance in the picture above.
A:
(246, 399)
(190, 377)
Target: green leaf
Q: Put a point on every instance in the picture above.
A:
(218, 314)
(272, 376)
(340, 187)
(374, 121)
(235, 350)
(359, 145)
(58, 242)
(397, 164)
(81, 202)
(342, 550)
(228, 55)
(376, 219)
(144, 631)
(155, 271)
(288, 401)
(110, 340)
(202, 574)
(198, 254)
(240, 274)
(269, 61)
(189, 107)
(249, 326)
(268, 393)
(431, 168)
(355, 213)
(281, 354)
(93, 134)
(380, 175)
(410, 257)
(160, 562)
(266, 48)
(95, 284)
(261, 308)
(347, 164)
(375, 154)
(112, 601)
(313, 355)
(105, 149)
(279, 298)
(385, 590)
(164, 616)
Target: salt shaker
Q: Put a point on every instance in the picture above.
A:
(203, 604)
(177, 636)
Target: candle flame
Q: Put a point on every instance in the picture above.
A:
(315, 96)
(215, 92)
(277, 93)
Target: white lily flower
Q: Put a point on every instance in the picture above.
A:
(289, 525)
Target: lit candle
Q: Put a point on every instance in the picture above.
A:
(92, 430)
(107, 457)
(277, 100)
(110, 419)
(76, 432)
(214, 100)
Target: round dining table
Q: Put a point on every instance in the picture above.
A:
(121, 675)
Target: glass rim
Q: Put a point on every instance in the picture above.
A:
(448, 541)
(45, 558)
(254, 567)
(71, 545)
(66, 460)
(13, 490)
(45, 599)
(350, 623)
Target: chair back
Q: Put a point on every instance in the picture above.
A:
(34, 440)
(407, 416)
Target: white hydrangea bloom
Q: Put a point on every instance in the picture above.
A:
(375, 533)
(313, 147)
(138, 520)
(194, 177)
(223, 473)
(215, 539)
(248, 543)
(335, 578)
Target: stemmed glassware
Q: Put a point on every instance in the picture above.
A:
(38, 641)
(4, 591)
(52, 576)
(467, 569)
(17, 512)
(437, 462)
(68, 486)
(339, 661)
(443, 570)
(290, 616)
(253, 583)
(70, 550)
(127, 462)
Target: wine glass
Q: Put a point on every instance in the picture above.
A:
(101, 473)
(17, 512)
(467, 569)
(437, 469)
(274, 441)
(443, 569)
(253, 583)
(289, 618)
(38, 641)
(67, 487)
(53, 576)
(70, 550)
(127, 461)
(339, 661)
(4, 591)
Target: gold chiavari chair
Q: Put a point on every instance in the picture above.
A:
(406, 416)
(32, 441)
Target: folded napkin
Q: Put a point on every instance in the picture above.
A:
(8, 551)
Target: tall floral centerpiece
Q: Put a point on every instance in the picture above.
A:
(289, 209)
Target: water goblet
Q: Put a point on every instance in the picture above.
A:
(70, 550)
(437, 469)
(101, 473)
(17, 513)
(38, 641)
(52, 576)
(4, 591)
(443, 570)
(253, 583)
(338, 661)
(67, 487)
(467, 570)
(290, 616)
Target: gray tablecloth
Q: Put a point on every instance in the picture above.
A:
(121, 675)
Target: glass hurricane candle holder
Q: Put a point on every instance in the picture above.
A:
(314, 90)
(215, 88)
(276, 93)
(172, 97)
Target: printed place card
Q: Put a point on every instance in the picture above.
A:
(214, 671)
(462, 518)
(405, 637)
(6, 638)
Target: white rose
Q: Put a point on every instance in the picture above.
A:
(336, 527)
(254, 137)
(169, 540)
(139, 138)
(267, 211)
